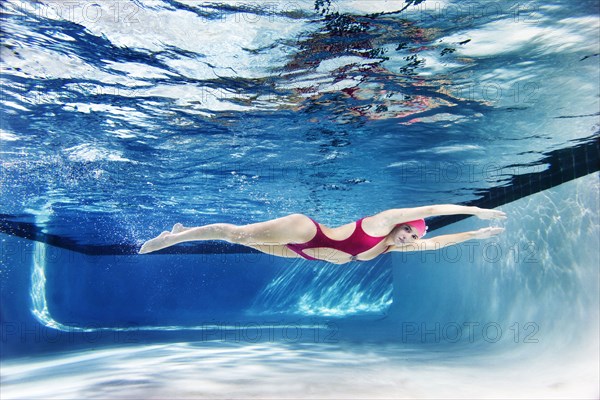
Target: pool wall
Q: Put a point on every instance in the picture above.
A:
(535, 285)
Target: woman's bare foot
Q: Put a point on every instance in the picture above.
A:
(162, 240)
(159, 242)
(178, 228)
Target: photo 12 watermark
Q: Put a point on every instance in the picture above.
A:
(518, 93)
(469, 332)
(34, 333)
(213, 331)
(470, 12)
(525, 252)
(259, 332)
(81, 12)
(24, 253)
(460, 171)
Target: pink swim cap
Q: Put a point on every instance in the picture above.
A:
(419, 225)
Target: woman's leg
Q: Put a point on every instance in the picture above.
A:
(294, 228)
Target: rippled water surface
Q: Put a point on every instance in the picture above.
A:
(120, 116)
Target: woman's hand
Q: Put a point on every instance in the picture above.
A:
(484, 213)
(485, 233)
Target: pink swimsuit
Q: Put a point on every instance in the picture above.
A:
(357, 243)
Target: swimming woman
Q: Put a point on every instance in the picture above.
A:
(297, 235)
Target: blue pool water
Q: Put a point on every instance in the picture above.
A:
(121, 118)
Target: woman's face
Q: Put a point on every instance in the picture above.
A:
(403, 234)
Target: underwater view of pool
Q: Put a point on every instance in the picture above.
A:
(120, 119)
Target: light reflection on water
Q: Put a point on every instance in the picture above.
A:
(279, 370)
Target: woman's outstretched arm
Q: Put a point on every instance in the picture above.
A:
(390, 218)
(438, 242)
